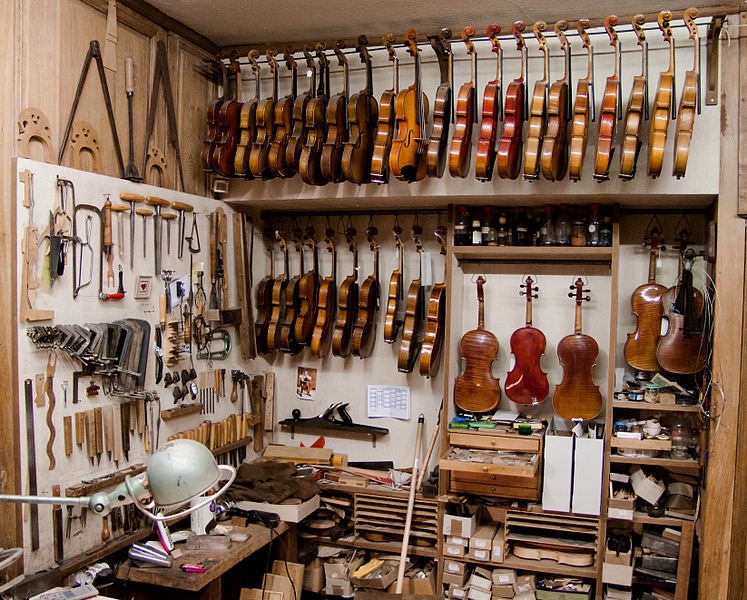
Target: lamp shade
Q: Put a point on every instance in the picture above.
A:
(180, 471)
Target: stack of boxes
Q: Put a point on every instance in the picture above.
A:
(493, 584)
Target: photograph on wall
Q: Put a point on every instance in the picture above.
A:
(306, 383)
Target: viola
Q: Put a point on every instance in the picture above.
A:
(283, 125)
(297, 137)
(264, 302)
(537, 110)
(583, 108)
(308, 295)
(610, 105)
(407, 155)
(508, 158)
(347, 302)
(409, 346)
(228, 121)
(208, 146)
(435, 319)
(637, 110)
(476, 390)
(526, 383)
(277, 311)
(392, 320)
(640, 346)
(466, 115)
(689, 102)
(663, 103)
(316, 113)
(554, 153)
(248, 124)
(287, 337)
(385, 124)
(443, 106)
(326, 305)
(337, 125)
(363, 112)
(576, 396)
(492, 112)
(364, 331)
(258, 164)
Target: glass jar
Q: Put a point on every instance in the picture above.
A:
(578, 233)
(680, 434)
(462, 232)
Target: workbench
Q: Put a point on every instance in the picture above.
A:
(221, 579)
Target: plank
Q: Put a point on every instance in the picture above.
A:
(294, 454)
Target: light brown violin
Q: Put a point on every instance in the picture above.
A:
(409, 346)
(689, 102)
(537, 110)
(392, 320)
(297, 137)
(508, 159)
(608, 114)
(554, 154)
(443, 106)
(460, 149)
(637, 110)
(308, 295)
(664, 103)
(347, 303)
(326, 305)
(435, 320)
(583, 108)
(258, 164)
(277, 310)
(284, 123)
(337, 124)
(386, 121)
(492, 112)
(248, 124)
(309, 167)
(364, 330)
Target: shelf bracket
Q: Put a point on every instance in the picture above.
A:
(712, 49)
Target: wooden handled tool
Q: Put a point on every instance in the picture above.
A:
(91, 435)
(39, 390)
(157, 204)
(145, 213)
(57, 527)
(119, 209)
(67, 427)
(80, 428)
(108, 243)
(105, 529)
(168, 217)
(49, 390)
(132, 199)
(109, 430)
(98, 432)
(181, 208)
(117, 433)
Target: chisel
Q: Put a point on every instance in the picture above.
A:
(80, 428)
(132, 199)
(98, 432)
(109, 430)
(31, 449)
(59, 553)
(90, 435)
(67, 427)
(157, 204)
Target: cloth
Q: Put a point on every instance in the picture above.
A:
(271, 481)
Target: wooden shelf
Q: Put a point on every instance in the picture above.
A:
(641, 517)
(655, 407)
(181, 411)
(587, 254)
(668, 463)
(539, 566)
(394, 547)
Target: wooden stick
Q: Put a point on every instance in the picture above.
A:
(410, 505)
(427, 459)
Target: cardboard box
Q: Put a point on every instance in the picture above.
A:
(417, 586)
(621, 508)
(253, 594)
(617, 574)
(482, 539)
(291, 513)
(457, 592)
(296, 571)
(588, 463)
(456, 540)
(460, 526)
(503, 591)
(557, 595)
(644, 487)
(499, 545)
(379, 579)
(504, 577)
(478, 594)
(481, 579)
(452, 550)
(614, 558)
(313, 576)
(337, 587)
(558, 472)
(480, 555)
(458, 579)
(525, 596)
(336, 568)
(524, 583)
(280, 583)
(454, 566)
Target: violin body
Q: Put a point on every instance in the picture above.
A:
(579, 130)
(383, 140)
(430, 353)
(554, 153)
(309, 164)
(535, 132)
(208, 145)
(411, 326)
(476, 390)
(347, 301)
(576, 396)
(364, 331)
(277, 313)
(526, 383)
(392, 323)
(676, 352)
(258, 165)
(287, 336)
(325, 318)
(607, 123)
(660, 114)
(508, 159)
(633, 120)
(247, 135)
(406, 157)
(485, 159)
(264, 306)
(640, 347)
(297, 137)
(435, 160)
(685, 122)
(308, 293)
(283, 127)
(337, 134)
(356, 155)
(461, 141)
(229, 120)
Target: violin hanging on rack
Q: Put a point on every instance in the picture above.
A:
(492, 112)
(435, 320)
(258, 164)
(309, 164)
(610, 107)
(508, 159)
(283, 124)
(537, 110)
(364, 331)
(554, 153)
(386, 121)
(460, 150)
(297, 137)
(208, 146)
(279, 286)
(443, 106)
(664, 103)
(689, 101)
(392, 320)
(583, 108)
(637, 110)
(337, 124)
(287, 338)
(326, 305)
(264, 300)
(248, 124)
(409, 346)
(308, 294)
(347, 302)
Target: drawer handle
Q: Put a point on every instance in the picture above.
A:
(485, 469)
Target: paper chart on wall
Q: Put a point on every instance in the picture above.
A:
(388, 401)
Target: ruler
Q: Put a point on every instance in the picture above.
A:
(33, 508)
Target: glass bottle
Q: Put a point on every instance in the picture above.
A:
(605, 234)
(578, 230)
(522, 229)
(462, 234)
(547, 231)
(504, 231)
(537, 221)
(489, 231)
(563, 227)
(476, 231)
(594, 227)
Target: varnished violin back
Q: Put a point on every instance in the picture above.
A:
(326, 306)
(637, 110)
(689, 102)
(460, 150)
(442, 107)
(537, 111)
(582, 109)
(364, 331)
(554, 152)
(386, 120)
(435, 321)
(663, 102)
(508, 159)
(610, 106)
(492, 113)
(258, 156)
(411, 327)
(316, 111)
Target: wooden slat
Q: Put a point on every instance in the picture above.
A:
(509, 442)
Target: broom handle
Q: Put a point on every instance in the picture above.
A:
(410, 505)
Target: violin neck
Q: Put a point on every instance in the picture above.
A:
(577, 325)
(528, 320)
(395, 74)
(376, 263)
(696, 54)
(652, 268)
(480, 305)
(294, 83)
(272, 263)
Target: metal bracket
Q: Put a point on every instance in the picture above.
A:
(712, 50)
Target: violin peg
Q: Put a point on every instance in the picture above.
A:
(572, 287)
(571, 294)
(585, 291)
(535, 296)
(587, 298)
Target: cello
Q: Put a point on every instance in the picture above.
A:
(297, 137)
(326, 305)
(347, 301)
(583, 108)
(576, 397)
(410, 344)
(492, 112)
(554, 153)
(664, 103)
(308, 295)
(283, 124)
(265, 125)
(435, 320)
(689, 101)
(537, 110)
(392, 320)
(287, 337)
(407, 155)
(526, 383)
(309, 164)
(637, 110)
(337, 124)
(640, 346)
(248, 124)
(364, 331)
(228, 123)
(608, 113)
(476, 390)
(363, 112)
(508, 159)
(443, 105)
(466, 114)
(208, 146)
(264, 301)
(277, 311)
(385, 123)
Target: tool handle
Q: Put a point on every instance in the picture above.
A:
(90, 434)
(130, 197)
(108, 223)
(67, 426)
(182, 206)
(105, 529)
(162, 302)
(156, 201)
(118, 208)
(98, 429)
(129, 77)
(143, 212)
(80, 428)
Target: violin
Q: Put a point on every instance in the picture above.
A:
(610, 106)
(364, 331)
(443, 106)
(287, 338)
(327, 302)
(508, 158)
(583, 108)
(283, 125)
(476, 390)
(466, 115)
(526, 383)
(576, 397)
(689, 102)
(554, 153)
(664, 102)
(363, 113)
(409, 346)
(208, 146)
(492, 112)
(640, 346)
(407, 155)
(277, 311)
(264, 302)
(347, 302)
(247, 124)
(385, 124)
(228, 121)
(258, 164)
(308, 294)
(537, 110)
(637, 110)
(682, 349)
(309, 164)
(392, 320)
(435, 320)
(297, 137)
(337, 124)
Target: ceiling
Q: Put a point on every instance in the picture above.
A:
(237, 22)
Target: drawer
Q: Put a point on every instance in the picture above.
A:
(494, 479)
(499, 491)
(487, 441)
(527, 469)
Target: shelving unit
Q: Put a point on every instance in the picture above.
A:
(644, 406)
(667, 463)
(540, 566)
